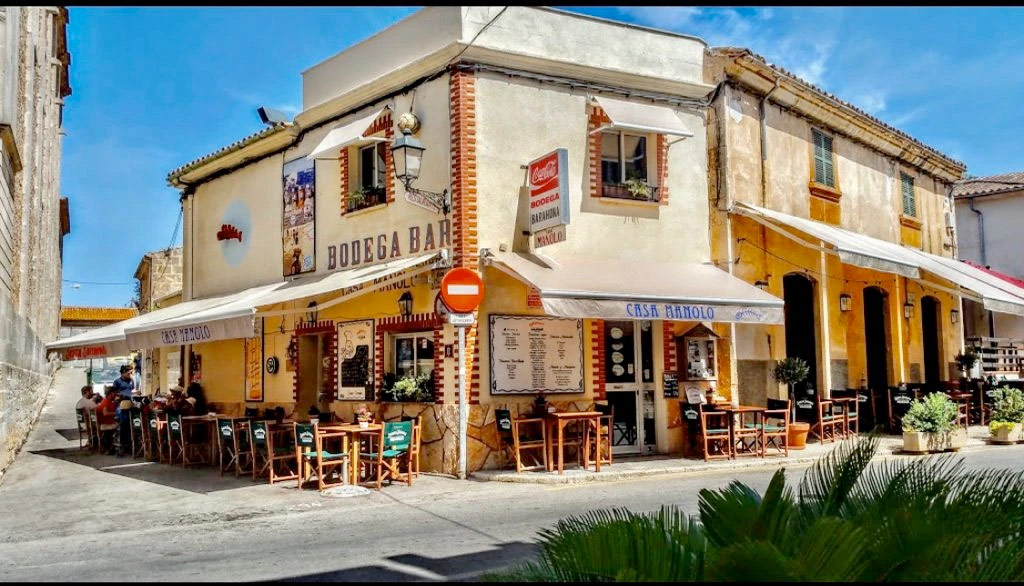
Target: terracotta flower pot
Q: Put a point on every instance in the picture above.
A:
(798, 435)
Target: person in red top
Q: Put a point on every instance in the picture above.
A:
(105, 412)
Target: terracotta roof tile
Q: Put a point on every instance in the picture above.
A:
(989, 185)
(110, 314)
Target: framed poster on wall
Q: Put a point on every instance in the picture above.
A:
(355, 360)
(532, 354)
(253, 348)
(299, 221)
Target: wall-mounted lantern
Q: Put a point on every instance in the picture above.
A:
(407, 153)
(405, 304)
(845, 302)
(311, 316)
(954, 315)
(761, 284)
(908, 310)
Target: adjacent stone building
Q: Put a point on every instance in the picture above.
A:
(33, 216)
(159, 277)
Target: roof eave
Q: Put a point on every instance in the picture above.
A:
(251, 147)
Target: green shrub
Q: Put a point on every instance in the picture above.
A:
(995, 426)
(1008, 405)
(935, 414)
(791, 370)
(411, 389)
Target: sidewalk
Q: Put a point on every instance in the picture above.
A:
(638, 467)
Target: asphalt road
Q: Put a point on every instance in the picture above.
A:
(67, 516)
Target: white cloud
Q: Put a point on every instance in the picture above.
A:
(672, 17)
(872, 102)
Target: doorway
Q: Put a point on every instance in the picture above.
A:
(801, 342)
(314, 360)
(876, 344)
(629, 378)
(931, 339)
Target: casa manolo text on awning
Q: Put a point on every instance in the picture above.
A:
(549, 197)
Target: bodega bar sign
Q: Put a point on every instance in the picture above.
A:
(390, 245)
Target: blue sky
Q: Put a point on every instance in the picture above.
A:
(154, 88)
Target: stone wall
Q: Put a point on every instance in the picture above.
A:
(25, 377)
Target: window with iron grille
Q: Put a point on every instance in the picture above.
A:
(824, 172)
(909, 205)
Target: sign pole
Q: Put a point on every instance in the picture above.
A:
(463, 415)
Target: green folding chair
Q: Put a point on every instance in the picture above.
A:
(312, 457)
(392, 447)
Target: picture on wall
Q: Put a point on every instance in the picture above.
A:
(254, 364)
(298, 247)
(355, 360)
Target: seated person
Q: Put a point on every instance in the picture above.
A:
(199, 406)
(86, 402)
(105, 415)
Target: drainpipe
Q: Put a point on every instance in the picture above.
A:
(764, 152)
(981, 231)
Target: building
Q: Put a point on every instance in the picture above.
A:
(159, 286)
(75, 320)
(604, 192)
(34, 217)
(850, 221)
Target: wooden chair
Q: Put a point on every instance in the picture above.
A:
(601, 438)
(850, 411)
(714, 433)
(227, 446)
(534, 440)
(272, 451)
(414, 446)
(506, 445)
(196, 445)
(811, 408)
(388, 450)
(313, 457)
(84, 433)
(898, 403)
(776, 425)
(94, 426)
(138, 432)
(175, 439)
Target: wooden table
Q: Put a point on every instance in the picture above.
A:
(354, 430)
(844, 404)
(193, 420)
(558, 421)
(738, 410)
(962, 398)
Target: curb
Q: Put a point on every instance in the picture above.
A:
(884, 453)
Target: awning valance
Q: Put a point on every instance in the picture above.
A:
(640, 289)
(347, 135)
(874, 253)
(641, 117)
(235, 318)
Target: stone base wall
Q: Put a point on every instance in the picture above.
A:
(25, 378)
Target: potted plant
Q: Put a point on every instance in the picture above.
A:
(411, 389)
(792, 371)
(965, 362)
(930, 425)
(356, 199)
(638, 188)
(1007, 414)
(364, 416)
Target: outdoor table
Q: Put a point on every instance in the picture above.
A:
(961, 397)
(354, 430)
(209, 421)
(736, 412)
(559, 421)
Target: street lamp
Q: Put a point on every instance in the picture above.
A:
(407, 154)
(405, 304)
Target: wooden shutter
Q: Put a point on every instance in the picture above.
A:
(823, 168)
(909, 205)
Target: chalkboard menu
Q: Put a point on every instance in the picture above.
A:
(671, 384)
(355, 360)
(536, 354)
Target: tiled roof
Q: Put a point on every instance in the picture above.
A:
(1005, 277)
(989, 185)
(736, 52)
(238, 144)
(110, 314)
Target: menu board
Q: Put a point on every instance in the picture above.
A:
(355, 361)
(254, 363)
(671, 386)
(536, 354)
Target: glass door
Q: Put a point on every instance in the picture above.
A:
(629, 383)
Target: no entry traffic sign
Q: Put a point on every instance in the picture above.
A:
(462, 290)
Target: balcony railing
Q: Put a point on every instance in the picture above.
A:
(621, 191)
(366, 198)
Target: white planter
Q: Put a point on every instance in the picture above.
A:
(1007, 435)
(364, 424)
(921, 443)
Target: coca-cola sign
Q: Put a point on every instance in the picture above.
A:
(549, 193)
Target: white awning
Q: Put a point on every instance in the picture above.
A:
(874, 253)
(347, 135)
(640, 289)
(235, 318)
(641, 117)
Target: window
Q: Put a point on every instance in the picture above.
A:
(909, 205)
(413, 354)
(371, 188)
(624, 167)
(824, 172)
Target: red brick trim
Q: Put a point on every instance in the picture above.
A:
(462, 93)
(597, 359)
(473, 368)
(596, 119)
(320, 327)
(389, 163)
(662, 158)
(669, 346)
(343, 175)
(438, 365)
